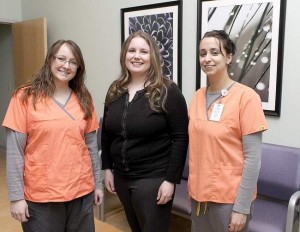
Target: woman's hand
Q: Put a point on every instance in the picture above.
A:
(109, 181)
(238, 221)
(19, 210)
(165, 192)
(99, 194)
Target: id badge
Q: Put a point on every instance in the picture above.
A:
(216, 112)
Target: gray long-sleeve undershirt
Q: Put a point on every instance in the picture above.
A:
(92, 145)
(252, 161)
(252, 156)
(16, 143)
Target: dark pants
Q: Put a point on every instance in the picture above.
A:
(72, 216)
(138, 197)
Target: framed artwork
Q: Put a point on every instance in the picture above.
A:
(163, 22)
(257, 29)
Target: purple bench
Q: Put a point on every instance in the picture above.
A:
(278, 184)
(181, 204)
(278, 180)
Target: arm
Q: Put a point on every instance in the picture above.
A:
(16, 143)
(107, 163)
(91, 143)
(177, 118)
(252, 152)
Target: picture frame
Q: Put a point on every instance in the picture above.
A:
(257, 29)
(164, 22)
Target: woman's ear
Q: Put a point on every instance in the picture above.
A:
(229, 58)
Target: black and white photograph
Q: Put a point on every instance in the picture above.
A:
(256, 27)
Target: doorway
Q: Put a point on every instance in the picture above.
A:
(7, 83)
(23, 47)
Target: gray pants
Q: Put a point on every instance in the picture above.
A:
(72, 216)
(216, 218)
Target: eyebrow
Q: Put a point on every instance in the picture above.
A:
(210, 49)
(66, 57)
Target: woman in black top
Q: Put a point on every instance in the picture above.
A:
(144, 136)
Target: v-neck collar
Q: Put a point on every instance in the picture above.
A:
(63, 105)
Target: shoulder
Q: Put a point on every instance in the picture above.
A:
(21, 90)
(201, 90)
(247, 96)
(174, 96)
(199, 93)
(172, 86)
(173, 91)
(245, 91)
(20, 93)
(243, 88)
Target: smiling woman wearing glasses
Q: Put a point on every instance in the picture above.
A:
(53, 169)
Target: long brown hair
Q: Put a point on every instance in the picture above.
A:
(42, 85)
(156, 91)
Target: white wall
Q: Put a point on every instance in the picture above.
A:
(10, 11)
(95, 26)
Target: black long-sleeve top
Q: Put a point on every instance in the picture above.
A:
(138, 142)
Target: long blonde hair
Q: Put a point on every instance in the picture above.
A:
(156, 90)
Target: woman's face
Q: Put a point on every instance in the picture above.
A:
(137, 58)
(64, 65)
(213, 61)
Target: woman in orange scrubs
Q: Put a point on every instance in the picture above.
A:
(53, 169)
(225, 134)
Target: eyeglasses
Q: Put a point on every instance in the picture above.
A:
(62, 60)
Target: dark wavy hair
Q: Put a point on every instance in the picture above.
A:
(156, 91)
(42, 84)
(224, 39)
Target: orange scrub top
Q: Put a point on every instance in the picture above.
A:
(216, 156)
(57, 162)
